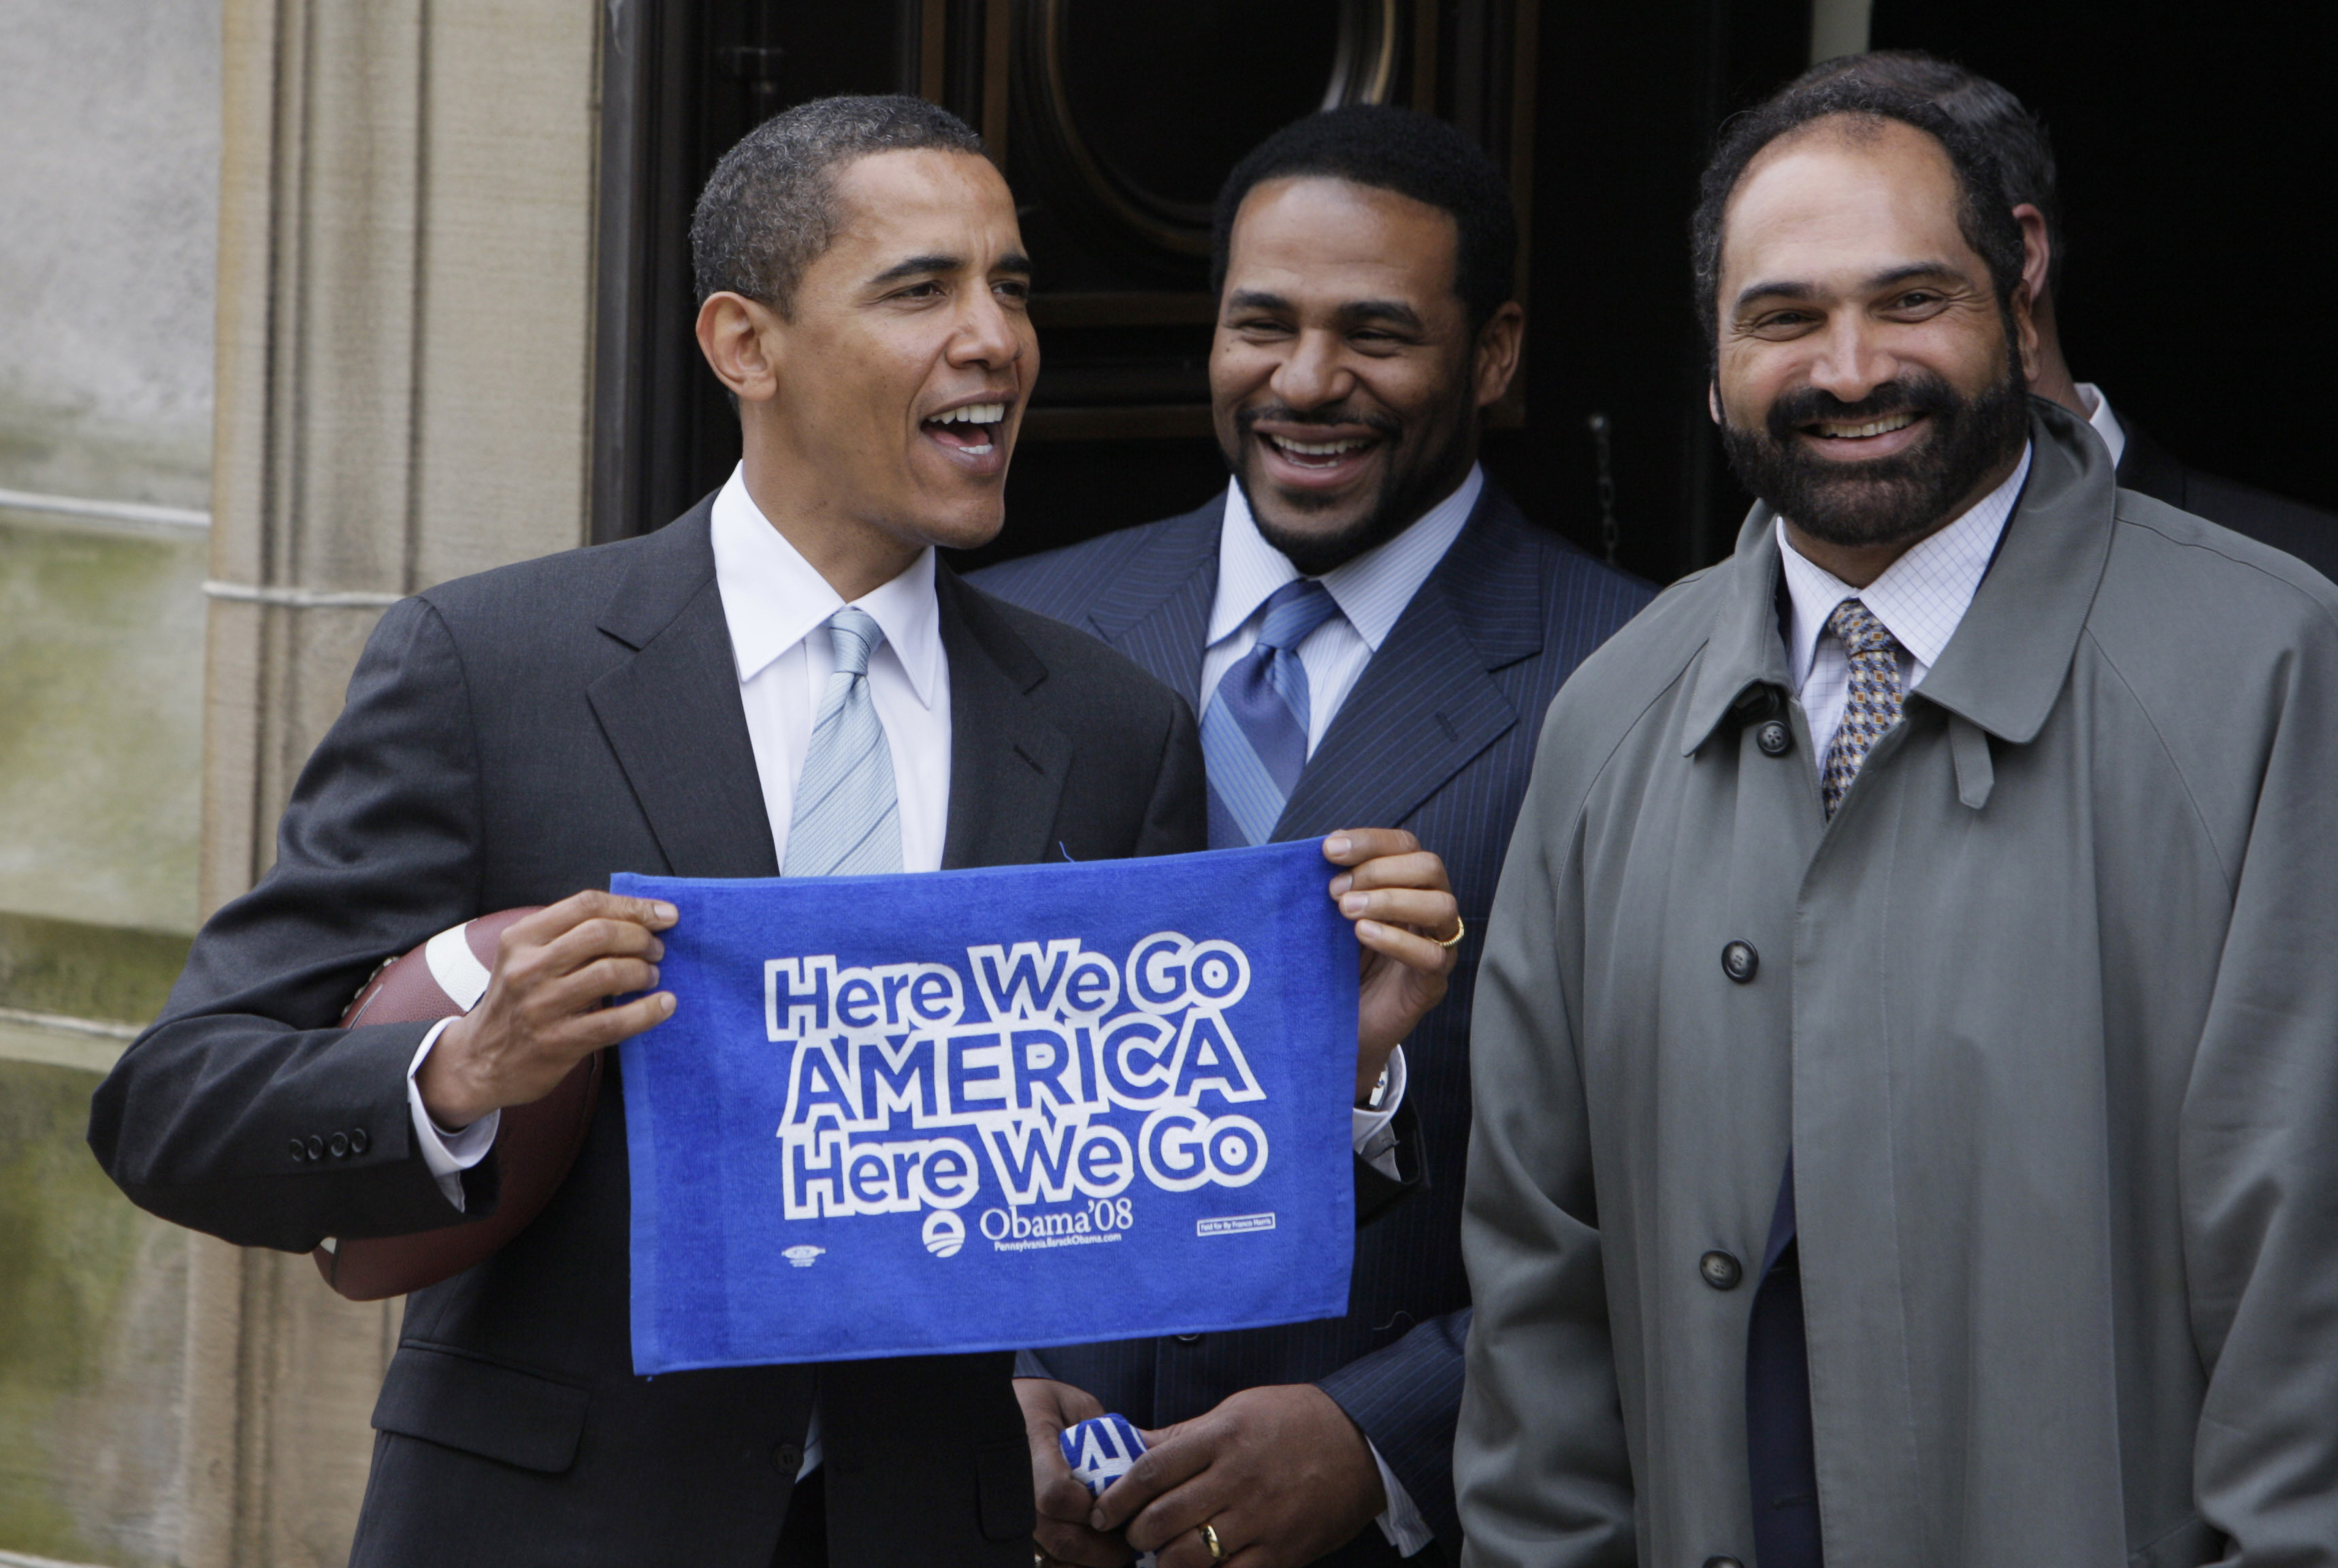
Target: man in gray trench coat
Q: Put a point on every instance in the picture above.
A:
(1907, 1044)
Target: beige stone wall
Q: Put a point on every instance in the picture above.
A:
(404, 309)
(405, 312)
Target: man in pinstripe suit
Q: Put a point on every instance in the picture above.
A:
(1370, 632)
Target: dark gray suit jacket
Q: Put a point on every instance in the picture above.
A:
(511, 738)
(2305, 532)
(1437, 737)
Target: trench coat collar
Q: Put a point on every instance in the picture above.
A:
(2005, 668)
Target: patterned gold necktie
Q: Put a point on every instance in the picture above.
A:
(1875, 696)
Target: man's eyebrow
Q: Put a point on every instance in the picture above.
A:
(1255, 299)
(1394, 311)
(925, 266)
(919, 267)
(1910, 273)
(1778, 290)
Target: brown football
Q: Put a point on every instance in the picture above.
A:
(535, 1146)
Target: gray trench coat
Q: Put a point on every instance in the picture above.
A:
(2049, 1012)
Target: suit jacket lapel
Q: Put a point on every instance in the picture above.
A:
(1427, 703)
(1007, 765)
(671, 713)
(1157, 609)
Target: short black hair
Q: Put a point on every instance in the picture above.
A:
(1403, 150)
(1983, 216)
(2025, 153)
(769, 209)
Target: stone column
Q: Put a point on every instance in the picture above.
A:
(404, 346)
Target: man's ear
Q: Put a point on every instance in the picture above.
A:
(2025, 336)
(1713, 400)
(2037, 249)
(1498, 342)
(739, 338)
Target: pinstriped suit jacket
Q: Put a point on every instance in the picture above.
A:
(1437, 737)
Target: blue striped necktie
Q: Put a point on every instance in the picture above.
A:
(847, 820)
(1254, 735)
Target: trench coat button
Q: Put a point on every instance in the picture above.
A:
(1720, 1269)
(1189, 1338)
(316, 1147)
(359, 1142)
(787, 1459)
(299, 1150)
(1738, 961)
(1774, 739)
(339, 1145)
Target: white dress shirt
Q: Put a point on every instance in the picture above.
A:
(1920, 598)
(2106, 423)
(1371, 592)
(773, 601)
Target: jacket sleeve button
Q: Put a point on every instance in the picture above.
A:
(300, 1151)
(1774, 739)
(339, 1145)
(1738, 961)
(359, 1142)
(315, 1146)
(787, 1459)
(1721, 1271)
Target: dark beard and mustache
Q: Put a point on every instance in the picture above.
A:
(1883, 500)
(1406, 493)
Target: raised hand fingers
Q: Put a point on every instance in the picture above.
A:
(1354, 846)
(1436, 913)
(556, 920)
(1409, 948)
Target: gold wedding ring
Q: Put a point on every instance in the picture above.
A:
(1209, 1539)
(1460, 929)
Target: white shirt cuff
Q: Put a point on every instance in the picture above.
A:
(1405, 1530)
(447, 1154)
(1375, 1128)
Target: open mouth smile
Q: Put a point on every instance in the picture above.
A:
(1316, 460)
(971, 430)
(1877, 435)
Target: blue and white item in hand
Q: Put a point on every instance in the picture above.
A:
(1101, 1451)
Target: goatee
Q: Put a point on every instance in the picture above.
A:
(1407, 490)
(1881, 500)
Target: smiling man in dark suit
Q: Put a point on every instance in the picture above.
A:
(782, 681)
(1370, 632)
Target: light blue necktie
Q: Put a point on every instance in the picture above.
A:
(848, 819)
(1254, 735)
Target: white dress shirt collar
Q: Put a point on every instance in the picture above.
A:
(2106, 423)
(1371, 590)
(1920, 597)
(773, 598)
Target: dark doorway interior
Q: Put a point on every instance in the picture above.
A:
(1602, 113)
(2190, 168)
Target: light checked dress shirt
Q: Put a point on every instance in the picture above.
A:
(1372, 591)
(1921, 598)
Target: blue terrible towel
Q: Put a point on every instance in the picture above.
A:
(992, 1109)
